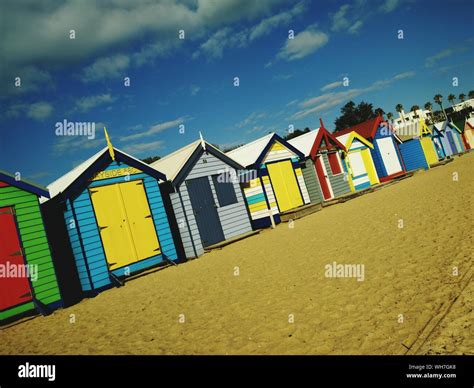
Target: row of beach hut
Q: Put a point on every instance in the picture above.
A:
(114, 215)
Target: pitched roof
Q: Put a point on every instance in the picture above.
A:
(63, 182)
(174, 163)
(171, 164)
(24, 185)
(366, 129)
(305, 142)
(347, 139)
(248, 154)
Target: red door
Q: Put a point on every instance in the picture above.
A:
(322, 177)
(13, 290)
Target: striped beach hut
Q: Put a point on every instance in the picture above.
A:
(323, 169)
(385, 153)
(359, 164)
(28, 281)
(280, 183)
(110, 208)
(468, 133)
(452, 137)
(206, 196)
(421, 145)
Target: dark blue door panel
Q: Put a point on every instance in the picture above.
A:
(205, 211)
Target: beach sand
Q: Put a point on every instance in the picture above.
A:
(268, 294)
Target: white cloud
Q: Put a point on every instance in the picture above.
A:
(389, 5)
(251, 119)
(194, 90)
(303, 44)
(330, 100)
(140, 148)
(86, 103)
(109, 27)
(269, 24)
(70, 144)
(37, 111)
(155, 129)
(228, 37)
(354, 29)
(105, 68)
(339, 19)
(332, 85)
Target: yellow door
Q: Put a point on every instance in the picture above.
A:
(113, 226)
(429, 150)
(140, 219)
(285, 185)
(370, 167)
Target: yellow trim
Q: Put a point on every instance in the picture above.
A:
(370, 167)
(354, 135)
(258, 206)
(425, 130)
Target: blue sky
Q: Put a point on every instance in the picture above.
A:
(190, 81)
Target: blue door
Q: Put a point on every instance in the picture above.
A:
(451, 142)
(205, 211)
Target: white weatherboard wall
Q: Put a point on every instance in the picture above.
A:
(234, 218)
(389, 155)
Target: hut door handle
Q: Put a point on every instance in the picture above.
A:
(18, 253)
(148, 216)
(103, 227)
(25, 295)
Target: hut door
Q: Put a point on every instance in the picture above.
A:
(114, 229)
(389, 155)
(284, 185)
(14, 289)
(323, 177)
(205, 212)
(140, 219)
(451, 142)
(429, 150)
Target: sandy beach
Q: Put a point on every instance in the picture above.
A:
(268, 294)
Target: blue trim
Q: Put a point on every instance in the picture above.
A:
(31, 188)
(274, 138)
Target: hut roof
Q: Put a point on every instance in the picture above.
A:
(253, 153)
(367, 129)
(63, 182)
(24, 185)
(305, 142)
(173, 164)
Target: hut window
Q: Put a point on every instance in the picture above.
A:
(334, 163)
(224, 190)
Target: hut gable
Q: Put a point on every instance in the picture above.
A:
(207, 199)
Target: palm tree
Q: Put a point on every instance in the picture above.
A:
(451, 99)
(379, 112)
(399, 109)
(462, 97)
(413, 109)
(439, 100)
(429, 106)
(471, 94)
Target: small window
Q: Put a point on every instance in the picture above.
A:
(334, 163)
(224, 190)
